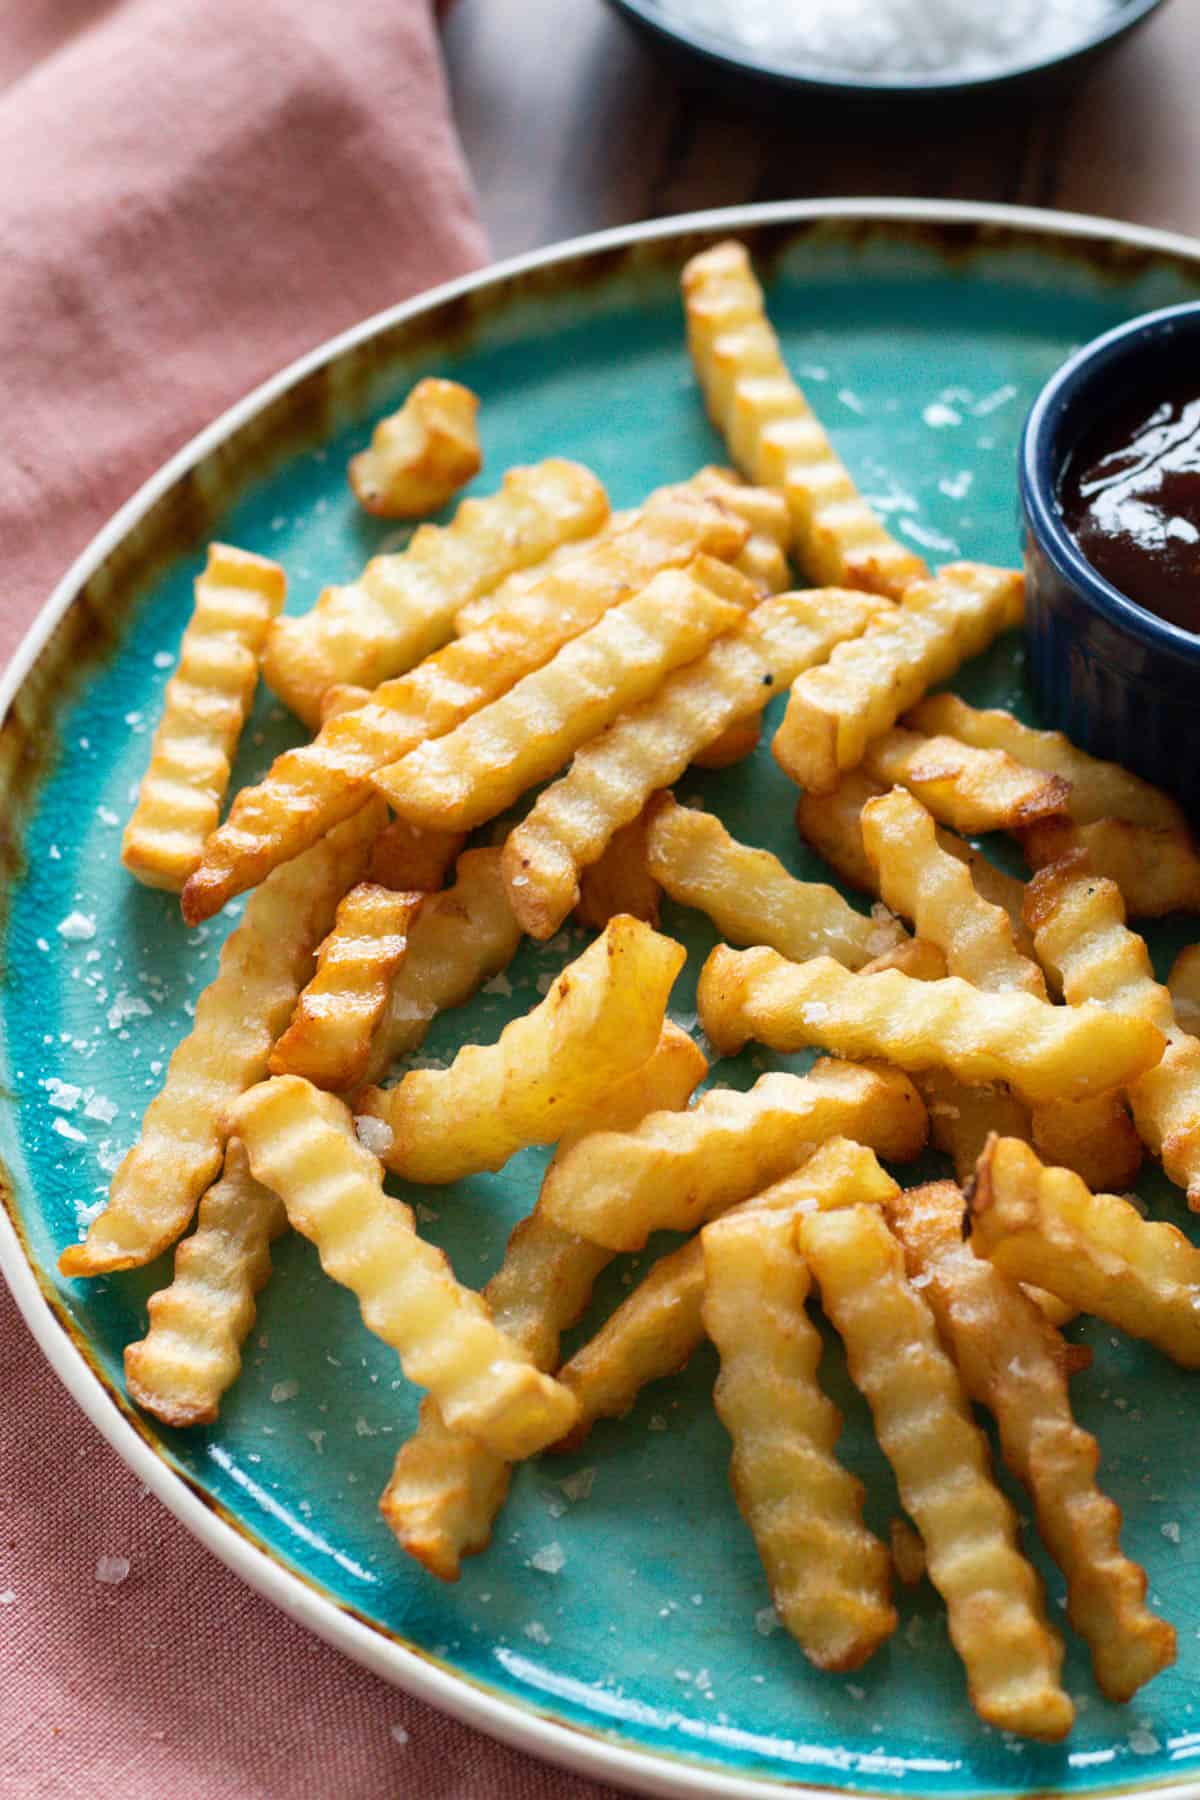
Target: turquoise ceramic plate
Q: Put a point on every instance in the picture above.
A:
(617, 1623)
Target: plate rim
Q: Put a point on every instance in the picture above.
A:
(521, 1724)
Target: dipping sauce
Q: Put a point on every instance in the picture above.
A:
(1130, 497)
(898, 37)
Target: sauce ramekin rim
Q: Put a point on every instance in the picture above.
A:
(1039, 466)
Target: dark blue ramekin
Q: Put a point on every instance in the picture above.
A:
(1120, 681)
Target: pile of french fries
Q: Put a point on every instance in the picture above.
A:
(539, 641)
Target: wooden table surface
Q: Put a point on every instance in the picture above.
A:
(571, 123)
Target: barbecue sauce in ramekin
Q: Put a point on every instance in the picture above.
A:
(1130, 497)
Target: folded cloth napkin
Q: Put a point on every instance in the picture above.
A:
(193, 192)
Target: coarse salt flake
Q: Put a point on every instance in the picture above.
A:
(284, 1390)
(112, 1570)
(77, 927)
(537, 1631)
(1171, 1532)
(98, 1107)
(7, 1596)
(766, 1620)
(63, 1095)
(374, 1135)
(399, 1735)
(70, 1132)
(549, 1559)
(579, 1485)
(126, 1006)
(1143, 1741)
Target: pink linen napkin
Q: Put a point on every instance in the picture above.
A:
(192, 192)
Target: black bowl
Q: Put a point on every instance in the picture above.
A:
(727, 64)
(1116, 678)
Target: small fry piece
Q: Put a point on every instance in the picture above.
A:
(420, 455)
(329, 1038)
(836, 709)
(1099, 790)
(749, 895)
(620, 881)
(962, 1117)
(1156, 868)
(972, 790)
(485, 764)
(934, 891)
(1014, 1362)
(446, 1489)
(343, 696)
(653, 1333)
(829, 1576)
(908, 1552)
(923, 1421)
(1094, 1251)
(301, 1144)
(1078, 923)
(402, 606)
(310, 788)
(191, 1353)
(409, 860)
(1183, 985)
(601, 1018)
(765, 510)
(205, 706)
(912, 956)
(736, 742)
(612, 778)
(772, 432)
(1046, 1052)
(677, 1171)
(264, 964)
(459, 938)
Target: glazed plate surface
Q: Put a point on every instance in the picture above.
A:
(620, 1621)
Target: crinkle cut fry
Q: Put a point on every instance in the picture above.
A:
(750, 896)
(420, 455)
(600, 1019)
(328, 1040)
(835, 710)
(1015, 1363)
(675, 1172)
(619, 881)
(204, 708)
(402, 606)
(484, 764)
(924, 1425)
(830, 1577)
(446, 1488)
(1095, 1251)
(772, 432)
(1045, 1052)
(264, 963)
(971, 790)
(191, 1353)
(301, 1144)
(411, 861)
(654, 1331)
(1156, 868)
(312, 787)
(612, 778)
(1078, 922)
(459, 938)
(1183, 985)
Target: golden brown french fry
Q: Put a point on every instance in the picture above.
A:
(310, 788)
(765, 510)
(677, 1171)
(482, 766)
(1156, 868)
(736, 742)
(446, 1488)
(912, 956)
(402, 606)
(1045, 1052)
(409, 860)
(329, 1038)
(1183, 985)
(343, 696)
(420, 455)
(772, 432)
(301, 1144)
(972, 790)
(264, 964)
(600, 1019)
(204, 708)
(1015, 1363)
(962, 1116)
(1078, 922)
(933, 890)
(1099, 790)
(749, 895)
(923, 1421)
(620, 881)
(460, 938)
(612, 778)
(191, 1353)
(655, 1330)
(829, 1576)
(835, 710)
(1093, 1250)
(908, 1552)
